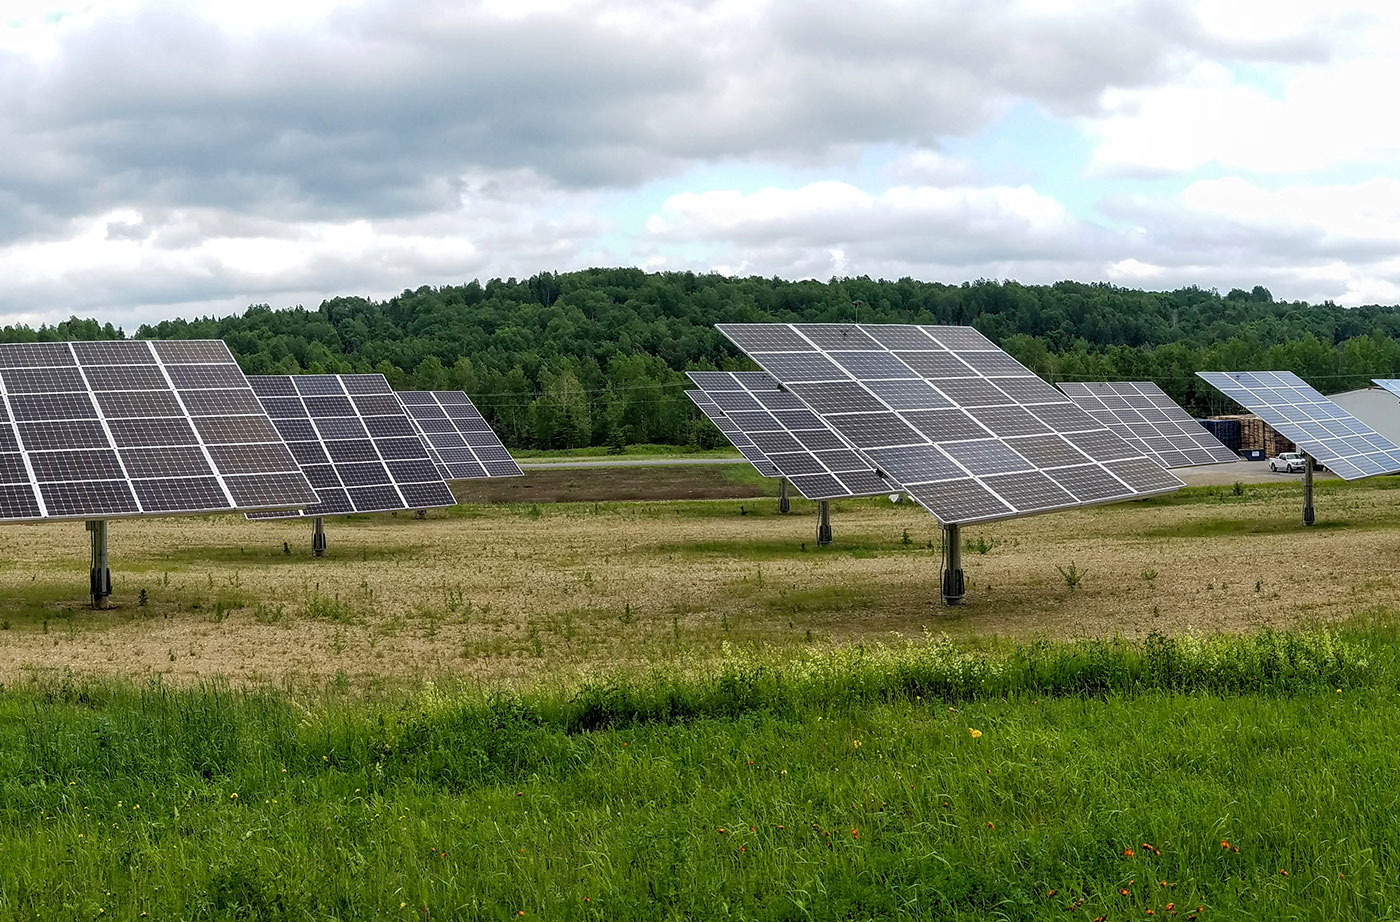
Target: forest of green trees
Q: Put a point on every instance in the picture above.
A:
(596, 357)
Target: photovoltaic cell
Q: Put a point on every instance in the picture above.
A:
(819, 463)
(1346, 446)
(1141, 413)
(945, 414)
(316, 417)
(105, 429)
(444, 420)
(751, 452)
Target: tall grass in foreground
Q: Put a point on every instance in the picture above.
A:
(1101, 779)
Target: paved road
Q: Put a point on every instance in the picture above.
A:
(1241, 471)
(623, 462)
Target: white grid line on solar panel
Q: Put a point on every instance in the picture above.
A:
(1142, 413)
(751, 452)
(69, 449)
(731, 431)
(13, 506)
(814, 458)
(958, 404)
(487, 451)
(364, 478)
(1344, 444)
(845, 472)
(332, 492)
(203, 446)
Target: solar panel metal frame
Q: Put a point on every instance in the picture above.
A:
(86, 432)
(355, 471)
(833, 470)
(930, 421)
(1342, 443)
(1389, 384)
(458, 410)
(751, 452)
(1142, 414)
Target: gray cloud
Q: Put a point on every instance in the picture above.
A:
(480, 144)
(380, 110)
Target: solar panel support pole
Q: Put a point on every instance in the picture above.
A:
(954, 585)
(1308, 515)
(784, 504)
(318, 536)
(99, 577)
(823, 523)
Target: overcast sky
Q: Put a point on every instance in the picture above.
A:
(183, 158)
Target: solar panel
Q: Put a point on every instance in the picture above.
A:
(97, 430)
(354, 442)
(736, 436)
(1344, 444)
(817, 461)
(965, 429)
(1141, 413)
(458, 439)
(1390, 384)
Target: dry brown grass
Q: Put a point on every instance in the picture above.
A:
(511, 594)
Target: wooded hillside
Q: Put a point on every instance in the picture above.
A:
(595, 357)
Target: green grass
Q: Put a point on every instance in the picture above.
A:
(847, 785)
(639, 452)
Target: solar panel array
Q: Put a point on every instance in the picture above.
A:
(97, 430)
(815, 460)
(1144, 416)
(354, 442)
(1390, 384)
(965, 429)
(736, 436)
(457, 437)
(1344, 444)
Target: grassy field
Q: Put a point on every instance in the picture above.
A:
(641, 452)
(685, 709)
(1235, 779)
(506, 593)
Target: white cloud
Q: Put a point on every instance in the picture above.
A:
(1300, 116)
(207, 154)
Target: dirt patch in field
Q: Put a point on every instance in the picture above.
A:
(517, 594)
(586, 485)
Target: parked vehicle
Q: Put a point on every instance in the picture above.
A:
(1290, 462)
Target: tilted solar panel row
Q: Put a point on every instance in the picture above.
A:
(113, 429)
(960, 425)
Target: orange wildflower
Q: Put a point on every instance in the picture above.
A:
(1127, 853)
(1283, 872)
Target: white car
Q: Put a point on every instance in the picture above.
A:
(1290, 462)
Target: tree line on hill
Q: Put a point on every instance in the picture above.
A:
(596, 357)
